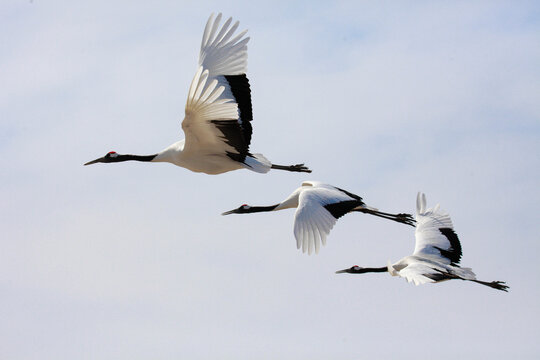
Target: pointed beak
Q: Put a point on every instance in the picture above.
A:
(229, 212)
(342, 271)
(94, 161)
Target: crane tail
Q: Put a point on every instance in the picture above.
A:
(258, 163)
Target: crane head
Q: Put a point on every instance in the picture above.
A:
(361, 270)
(109, 157)
(352, 270)
(243, 209)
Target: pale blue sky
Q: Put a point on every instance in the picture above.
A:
(133, 261)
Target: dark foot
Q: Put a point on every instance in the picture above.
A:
(401, 218)
(499, 285)
(406, 219)
(295, 168)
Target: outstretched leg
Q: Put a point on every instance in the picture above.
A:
(401, 218)
(442, 276)
(499, 285)
(296, 168)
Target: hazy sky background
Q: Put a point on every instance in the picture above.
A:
(384, 99)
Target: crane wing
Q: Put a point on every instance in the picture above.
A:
(208, 117)
(419, 273)
(224, 60)
(434, 234)
(220, 53)
(319, 207)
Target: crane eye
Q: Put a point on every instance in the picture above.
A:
(112, 154)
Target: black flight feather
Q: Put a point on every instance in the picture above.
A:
(242, 93)
(453, 253)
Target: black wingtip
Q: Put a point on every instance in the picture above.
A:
(454, 252)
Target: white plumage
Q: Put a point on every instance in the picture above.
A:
(436, 255)
(220, 54)
(312, 221)
(428, 235)
(318, 206)
(218, 111)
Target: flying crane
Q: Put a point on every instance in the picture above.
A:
(318, 206)
(218, 113)
(436, 255)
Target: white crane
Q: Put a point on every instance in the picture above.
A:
(318, 206)
(218, 111)
(436, 255)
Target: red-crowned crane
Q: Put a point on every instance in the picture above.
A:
(318, 206)
(217, 123)
(436, 255)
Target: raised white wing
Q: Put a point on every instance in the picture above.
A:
(435, 237)
(218, 109)
(313, 222)
(220, 53)
(203, 108)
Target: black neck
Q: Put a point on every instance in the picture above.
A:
(129, 157)
(366, 270)
(254, 209)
